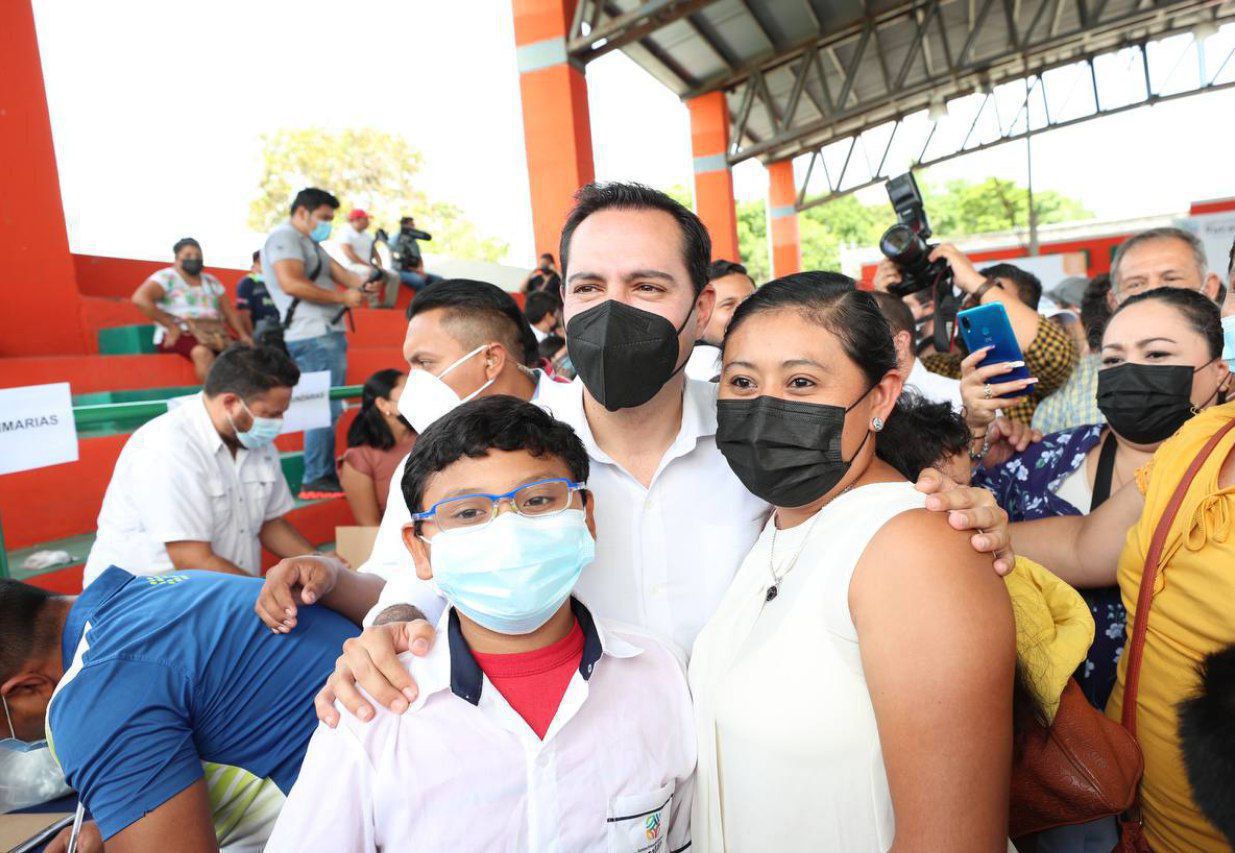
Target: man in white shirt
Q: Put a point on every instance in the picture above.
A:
(932, 386)
(543, 310)
(201, 487)
(354, 246)
(733, 285)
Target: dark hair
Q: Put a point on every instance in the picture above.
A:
(21, 634)
(248, 371)
(922, 435)
(833, 301)
(897, 313)
(184, 243)
(548, 255)
(311, 198)
(593, 198)
(257, 256)
(1199, 310)
(1028, 287)
(486, 304)
(1207, 741)
(369, 429)
(721, 268)
(550, 346)
(540, 303)
(405, 220)
(1096, 309)
(473, 429)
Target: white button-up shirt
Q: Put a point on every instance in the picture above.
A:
(177, 481)
(665, 554)
(461, 770)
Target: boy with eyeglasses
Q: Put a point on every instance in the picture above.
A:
(536, 726)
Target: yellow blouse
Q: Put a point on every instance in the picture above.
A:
(1193, 614)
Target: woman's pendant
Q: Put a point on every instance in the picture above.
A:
(772, 591)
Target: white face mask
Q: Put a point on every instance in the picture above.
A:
(426, 397)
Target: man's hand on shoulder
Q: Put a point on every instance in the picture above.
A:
(371, 661)
(291, 582)
(971, 509)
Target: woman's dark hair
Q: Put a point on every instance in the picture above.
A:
(832, 301)
(184, 243)
(370, 429)
(1199, 310)
(489, 423)
(593, 198)
(1096, 309)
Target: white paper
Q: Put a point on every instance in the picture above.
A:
(310, 408)
(1216, 231)
(36, 427)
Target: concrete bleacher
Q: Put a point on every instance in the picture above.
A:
(56, 508)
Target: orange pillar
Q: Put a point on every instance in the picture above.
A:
(783, 219)
(709, 142)
(42, 309)
(557, 130)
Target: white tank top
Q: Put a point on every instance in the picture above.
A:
(789, 753)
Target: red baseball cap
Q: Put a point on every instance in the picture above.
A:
(357, 214)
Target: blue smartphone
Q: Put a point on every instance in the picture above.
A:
(988, 326)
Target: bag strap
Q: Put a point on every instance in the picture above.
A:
(291, 308)
(1106, 471)
(1149, 576)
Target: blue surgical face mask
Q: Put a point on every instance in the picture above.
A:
(1228, 336)
(14, 743)
(261, 434)
(321, 231)
(512, 574)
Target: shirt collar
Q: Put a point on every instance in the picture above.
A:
(199, 418)
(452, 663)
(92, 597)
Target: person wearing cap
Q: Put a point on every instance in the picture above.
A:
(354, 246)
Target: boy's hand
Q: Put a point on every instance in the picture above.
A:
(971, 508)
(294, 579)
(372, 661)
(89, 840)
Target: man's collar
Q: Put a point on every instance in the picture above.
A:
(92, 597)
(453, 663)
(199, 418)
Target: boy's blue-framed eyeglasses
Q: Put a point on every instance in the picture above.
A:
(533, 500)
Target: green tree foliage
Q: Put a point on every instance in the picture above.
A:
(365, 168)
(963, 208)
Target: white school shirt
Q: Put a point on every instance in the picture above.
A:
(462, 771)
(664, 554)
(389, 559)
(176, 480)
(936, 388)
(361, 243)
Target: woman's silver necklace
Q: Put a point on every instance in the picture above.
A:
(774, 589)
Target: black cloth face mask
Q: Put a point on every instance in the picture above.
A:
(786, 452)
(624, 355)
(192, 266)
(1146, 403)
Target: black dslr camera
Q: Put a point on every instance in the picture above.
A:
(904, 244)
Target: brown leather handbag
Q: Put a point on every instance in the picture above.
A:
(1131, 831)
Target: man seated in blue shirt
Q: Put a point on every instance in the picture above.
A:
(140, 680)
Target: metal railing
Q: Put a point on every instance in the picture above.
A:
(133, 415)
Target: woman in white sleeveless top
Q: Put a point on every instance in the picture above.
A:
(853, 691)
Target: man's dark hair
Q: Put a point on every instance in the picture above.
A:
(897, 313)
(1027, 285)
(539, 304)
(1207, 740)
(22, 634)
(550, 346)
(183, 243)
(548, 255)
(407, 220)
(311, 198)
(1096, 310)
(480, 312)
(922, 435)
(484, 424)
(721, 268)
(593, 198)
(257, 256)
(248, 371)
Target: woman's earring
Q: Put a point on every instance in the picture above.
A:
(876, 424)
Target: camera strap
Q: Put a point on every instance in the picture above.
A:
(946, 306)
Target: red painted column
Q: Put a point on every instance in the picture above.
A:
(41, 306)
(557, 129)
(709, 142)
(783, 219)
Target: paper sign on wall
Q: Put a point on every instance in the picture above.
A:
(310, 408)
(1216, 232)
(36, 427)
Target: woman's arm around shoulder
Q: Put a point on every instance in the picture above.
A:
(938, 647)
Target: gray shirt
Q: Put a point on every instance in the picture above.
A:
(310, 319)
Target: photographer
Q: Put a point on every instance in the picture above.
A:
(408, 262)
(1050, 354)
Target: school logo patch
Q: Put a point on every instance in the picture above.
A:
(652, 825)
(164, 580)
